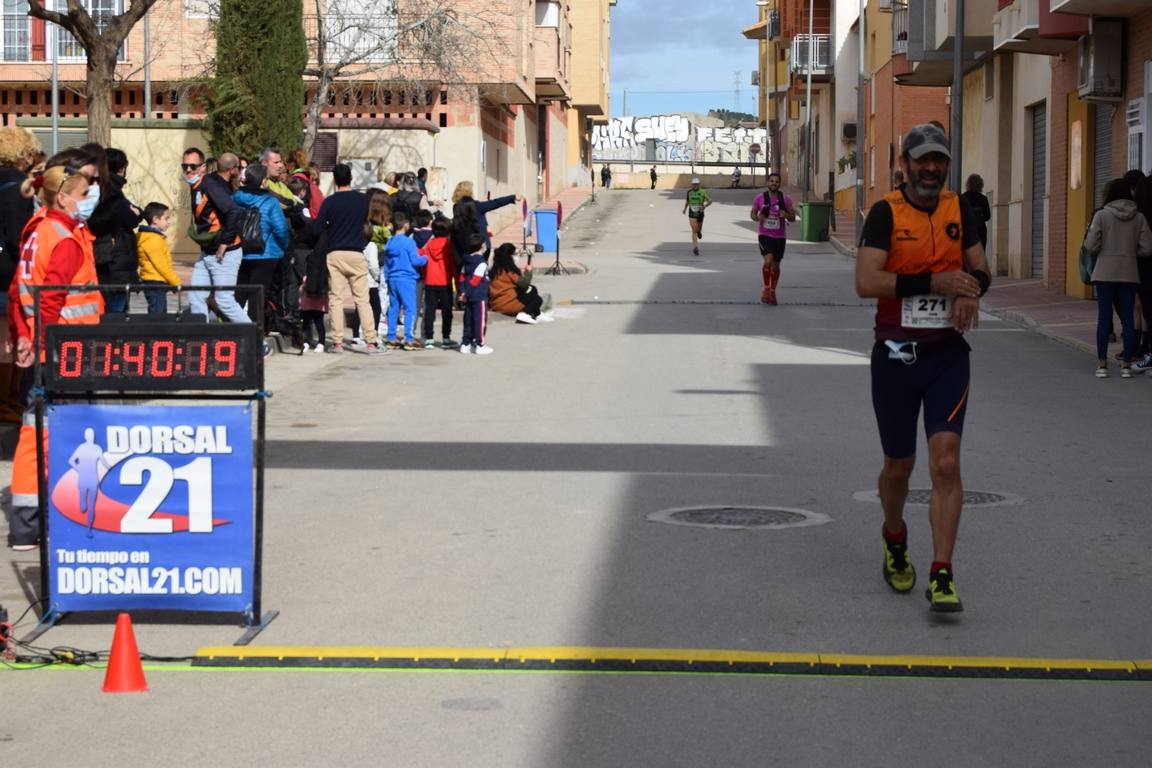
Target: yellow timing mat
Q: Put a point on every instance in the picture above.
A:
(668, 661)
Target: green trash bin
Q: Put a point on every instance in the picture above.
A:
(814, 220)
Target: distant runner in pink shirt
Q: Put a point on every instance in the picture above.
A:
(773, 210)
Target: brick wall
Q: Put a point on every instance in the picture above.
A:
(1139, 50)
(898, 108)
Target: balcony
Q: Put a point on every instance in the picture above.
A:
(899, 28)
(1018, 28)
(932, 38)
(1114, 8)
(551, 64)
(821, 52)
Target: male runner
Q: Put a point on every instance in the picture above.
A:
(921, 257)
(694, 203)
(772, 209)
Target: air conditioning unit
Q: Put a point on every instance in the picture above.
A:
(755, 77)
(885, 5)
(1100, 62)
(849, 132)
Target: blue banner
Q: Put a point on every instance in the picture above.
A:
(150, 507)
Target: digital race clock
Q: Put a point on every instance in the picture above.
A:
(152, 357)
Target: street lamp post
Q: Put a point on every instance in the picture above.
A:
(808, 104)
(957, 137)
(860, 153)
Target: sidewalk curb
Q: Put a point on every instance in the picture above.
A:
(1027, 322)
(1018, 318)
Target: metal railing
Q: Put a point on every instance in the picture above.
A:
(899, 28)
(821, 52)
(363, 38)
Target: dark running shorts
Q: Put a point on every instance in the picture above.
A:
(938, 378)
(773, 246)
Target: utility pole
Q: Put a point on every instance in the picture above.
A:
(147, 65)
(860, 117)
(54, 42)
(957, 137)
(808, 104)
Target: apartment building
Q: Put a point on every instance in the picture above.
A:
(890, 106)
(803, 47)
(1101, 105)
(591, 70)
(501, 122)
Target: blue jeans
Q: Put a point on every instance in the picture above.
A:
(208, 271)
(1124, 295)
(401, 293)
(115, 302)
(157, 299)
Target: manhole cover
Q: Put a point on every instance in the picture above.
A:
(735, 518)
(921, 497)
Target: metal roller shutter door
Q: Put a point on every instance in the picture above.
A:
(1102, 152)
(1039, 184)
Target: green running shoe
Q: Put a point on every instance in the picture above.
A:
(941, 592)
(898, 572)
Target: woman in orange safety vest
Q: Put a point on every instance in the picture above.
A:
(55, 249)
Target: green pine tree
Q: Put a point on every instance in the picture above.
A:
(257, 96)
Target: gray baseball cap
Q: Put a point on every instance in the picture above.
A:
(923, 139)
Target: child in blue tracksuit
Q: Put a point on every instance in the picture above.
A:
(402, 263)
(473, 288)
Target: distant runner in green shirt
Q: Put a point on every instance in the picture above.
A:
(694, 203)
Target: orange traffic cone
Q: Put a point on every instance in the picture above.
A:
(125, 672)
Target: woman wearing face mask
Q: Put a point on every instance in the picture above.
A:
(113, 224)
(54, 250)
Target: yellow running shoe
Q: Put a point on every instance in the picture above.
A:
(941, 592)
(898, 571)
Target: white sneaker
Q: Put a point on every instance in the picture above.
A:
(307, 347)
(524, 317)
(483, 350)
(1102, 371)
(358, 344)
(545, 317)
(465, 349)
(318, 348)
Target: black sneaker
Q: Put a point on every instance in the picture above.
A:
(941, 592)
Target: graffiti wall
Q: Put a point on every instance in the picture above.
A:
(672, 138)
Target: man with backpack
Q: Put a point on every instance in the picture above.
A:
(215, 228)
(772, 210)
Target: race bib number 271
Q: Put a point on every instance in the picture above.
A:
(926, 311)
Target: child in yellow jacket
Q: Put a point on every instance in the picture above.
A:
(155, 258)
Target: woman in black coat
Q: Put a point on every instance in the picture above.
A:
(113, 224)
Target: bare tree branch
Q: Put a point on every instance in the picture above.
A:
(402, 44)
(101, 40)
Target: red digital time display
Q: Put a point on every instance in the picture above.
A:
(152, 357)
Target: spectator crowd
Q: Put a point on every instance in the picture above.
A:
(273, 249)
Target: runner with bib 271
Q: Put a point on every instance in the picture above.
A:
(920, 256)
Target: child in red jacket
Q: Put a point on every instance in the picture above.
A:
(438, 276)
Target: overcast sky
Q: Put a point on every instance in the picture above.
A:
(673, 45)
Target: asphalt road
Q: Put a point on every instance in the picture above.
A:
(433, 499)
